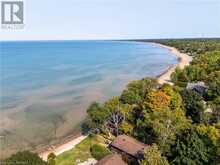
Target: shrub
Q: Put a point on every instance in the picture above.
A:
(98, 151)
(25, 157)
(51, 159)
(51, 156)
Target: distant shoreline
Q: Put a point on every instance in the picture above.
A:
(164, 77)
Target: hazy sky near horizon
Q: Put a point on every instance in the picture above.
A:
(117, 19)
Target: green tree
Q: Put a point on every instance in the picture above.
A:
(190, 150)
(152, 156)
(211, 137)
(164, 124)
(118, 113)
(136, 90)
(194, 105)
(126, 127)
(215, 107)
(25, 157)
(204, 67)
(213, 82)
(160, 118)
(179, 77)
(98, 115)
(195, 73)
(130, 97)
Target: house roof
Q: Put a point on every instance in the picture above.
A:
(196, 85)
(113, 159)
(129, 145)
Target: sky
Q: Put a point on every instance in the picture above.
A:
(117, 19)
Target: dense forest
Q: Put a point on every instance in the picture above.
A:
(192, 47)
(180, 122)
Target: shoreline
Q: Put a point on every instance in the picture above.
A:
(183, 60)
(164, 77)
(66, 145)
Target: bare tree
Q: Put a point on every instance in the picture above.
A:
(114, 121)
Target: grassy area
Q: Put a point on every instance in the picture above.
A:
(80, 152)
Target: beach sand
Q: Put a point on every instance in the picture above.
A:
(59, 149)
(183, 59)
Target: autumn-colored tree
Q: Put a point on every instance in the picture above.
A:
(156, 100)
(176, 101)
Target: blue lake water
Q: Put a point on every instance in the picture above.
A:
(46, 80)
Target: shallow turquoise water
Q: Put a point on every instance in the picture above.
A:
(28, 66)
(47, 79)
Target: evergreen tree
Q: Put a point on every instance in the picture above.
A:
(190, 150)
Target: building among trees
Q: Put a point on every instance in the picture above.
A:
(129, 148)
(198, 87)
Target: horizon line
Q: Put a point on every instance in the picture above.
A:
(134, 39)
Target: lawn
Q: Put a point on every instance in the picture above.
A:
(80, 152)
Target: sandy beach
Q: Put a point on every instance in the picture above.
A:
(164, 77)
(183, 60)
(59, 149)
